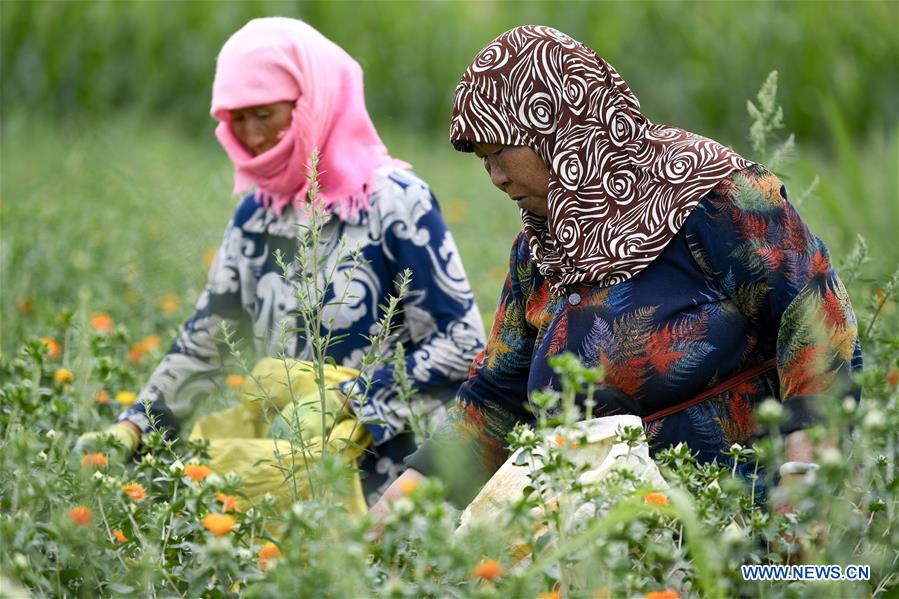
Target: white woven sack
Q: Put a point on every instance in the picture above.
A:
(602, 452)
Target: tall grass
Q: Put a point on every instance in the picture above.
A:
(692, 63)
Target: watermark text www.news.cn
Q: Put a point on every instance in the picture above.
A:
(806, 572)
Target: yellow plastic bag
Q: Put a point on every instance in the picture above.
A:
(241, 440)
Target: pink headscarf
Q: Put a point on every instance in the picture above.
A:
(278, 59)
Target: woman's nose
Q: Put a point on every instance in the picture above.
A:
(256, 136)
(497, 174)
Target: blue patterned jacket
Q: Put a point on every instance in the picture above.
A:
(440, 326)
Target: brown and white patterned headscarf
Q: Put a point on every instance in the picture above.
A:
(620, 187)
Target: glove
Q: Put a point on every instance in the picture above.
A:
(309, 416)
(93, 441)
(275, 382)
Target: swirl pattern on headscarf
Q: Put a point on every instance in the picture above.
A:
(620, 186)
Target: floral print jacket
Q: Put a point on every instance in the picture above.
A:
(743, 282)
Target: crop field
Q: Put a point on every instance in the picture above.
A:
(112, 203)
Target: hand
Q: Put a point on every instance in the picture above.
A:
(398, 488)
(345, 402)
(306, 413)
(124, 432)
(797, 448)
(781, 499)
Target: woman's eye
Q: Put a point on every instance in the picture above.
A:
(263, 115)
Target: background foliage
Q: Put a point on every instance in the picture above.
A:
(106, 138)
(113, 190)
(690, 63)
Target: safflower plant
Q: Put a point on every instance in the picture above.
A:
(165, 524)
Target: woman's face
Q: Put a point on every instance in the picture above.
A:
(258, 127)
(519, 173)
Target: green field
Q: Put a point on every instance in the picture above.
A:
(113, 191)
(107, 144)
(94, 208)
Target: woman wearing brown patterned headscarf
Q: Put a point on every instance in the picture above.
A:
(664, 257)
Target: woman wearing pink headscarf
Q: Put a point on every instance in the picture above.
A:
(282, 90)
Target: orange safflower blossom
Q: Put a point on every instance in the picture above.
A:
(142, 347)
(219, 524)
(197, 472)
(134, 491)
(126, 398)
(666, 594)
(63, 376)
(102, 397)
(229, 502)
(209, 257)
(135, 354)
(119, 536)
(94, 460)
(656, 498)
(80, 515)
(267, 554)
(489, 569)
(151, 342)
(54, 349)
(408, 486)
(550, 595)
(561, 441)
(234, 381)
(169, 303)
(102, 322)
(893, 377)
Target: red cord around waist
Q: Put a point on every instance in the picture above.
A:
(716, 390)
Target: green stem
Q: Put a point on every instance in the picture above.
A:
(875, 316)
(109, 530)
